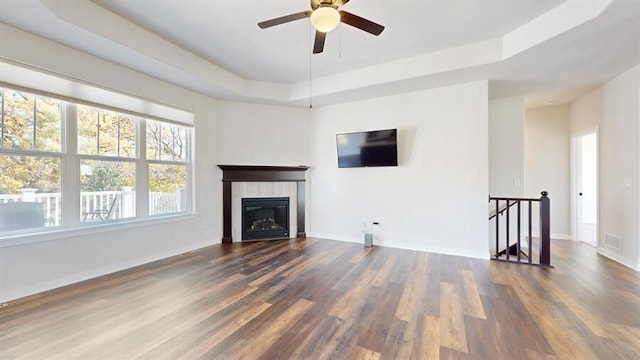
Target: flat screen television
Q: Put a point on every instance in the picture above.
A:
(367, 148)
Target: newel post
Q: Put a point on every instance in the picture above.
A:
(545, 229)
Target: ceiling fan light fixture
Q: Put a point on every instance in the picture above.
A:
(325, 19)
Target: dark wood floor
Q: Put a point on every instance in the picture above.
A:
(320, 299)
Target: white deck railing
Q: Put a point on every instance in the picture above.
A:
(159, 203)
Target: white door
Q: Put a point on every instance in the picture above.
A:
(587, 188)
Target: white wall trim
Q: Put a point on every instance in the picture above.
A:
(619, 259)
(89, 229)
(555, 236)
(406, 246)
(562, 237)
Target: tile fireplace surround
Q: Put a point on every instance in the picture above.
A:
(269, 174)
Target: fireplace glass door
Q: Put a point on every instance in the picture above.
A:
(265, 218)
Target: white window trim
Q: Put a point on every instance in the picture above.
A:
(63, 232)
(54, 85)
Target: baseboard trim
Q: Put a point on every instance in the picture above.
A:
(407, 246)
(619, 258)
(555, 236)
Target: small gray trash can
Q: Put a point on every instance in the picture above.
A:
(368, 239)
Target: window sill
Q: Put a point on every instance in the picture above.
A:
(61, 233)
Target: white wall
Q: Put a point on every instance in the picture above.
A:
(616, 106)
(506, 163)
(253, 134)
(586, 112)
(30, 268)
(435, 200)
(547, 163)
(506, 147)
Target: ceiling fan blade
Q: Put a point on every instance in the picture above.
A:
(284, 19)
(342, 2)
(318, 45)
(360, 23)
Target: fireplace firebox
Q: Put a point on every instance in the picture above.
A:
(265, 218)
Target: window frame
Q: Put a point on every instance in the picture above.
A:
(71, 158)
(187, 163)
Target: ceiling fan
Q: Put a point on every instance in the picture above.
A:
(325, 16)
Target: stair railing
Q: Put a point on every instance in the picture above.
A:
(513, 252)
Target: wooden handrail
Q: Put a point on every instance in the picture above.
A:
(512, 198)
(515, 249)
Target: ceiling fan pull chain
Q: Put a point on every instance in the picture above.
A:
(311, 37)
(340, 35)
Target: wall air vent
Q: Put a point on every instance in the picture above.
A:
(612, 242)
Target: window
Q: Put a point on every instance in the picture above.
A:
(126, 166)
(106, 133)
(107, 150)
(107, 190)
(166, 153)
(30, 161)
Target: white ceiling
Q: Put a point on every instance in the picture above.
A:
(227, 34)
(546, 50)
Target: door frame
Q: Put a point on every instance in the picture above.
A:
(574, 181)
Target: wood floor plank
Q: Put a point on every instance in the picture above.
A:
(363, 354)
(298, 268)
(377, 331)
(410, 299)
(116, 321)
(320, 339)
(421, 338)
(341, 343)
(472, 302)
(215, 337)
(577, 306)
(452, 331)
(566, 342)
(350, 302)
(382, 277)
(360, 255)
(321, 299)
(268, 335)
(277, 272)
(433, 281)
(430, 343)
(149, 329)
(451, 354)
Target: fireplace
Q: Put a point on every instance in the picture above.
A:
(265, 218)
(240, 174)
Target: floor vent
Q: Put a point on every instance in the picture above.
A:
(613, 242)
